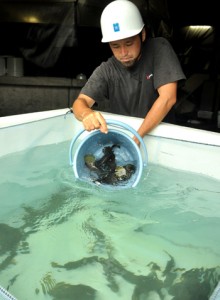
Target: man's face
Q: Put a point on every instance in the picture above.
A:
(127, 51)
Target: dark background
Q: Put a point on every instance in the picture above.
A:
(64, 39)
(45, 53)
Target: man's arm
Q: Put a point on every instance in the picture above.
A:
(94, 120)
(83, 112)
(160, 108)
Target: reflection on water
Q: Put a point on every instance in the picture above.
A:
(64, 239)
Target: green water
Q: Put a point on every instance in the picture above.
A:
(64, 239)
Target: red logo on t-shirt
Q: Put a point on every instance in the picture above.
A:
(149, 76)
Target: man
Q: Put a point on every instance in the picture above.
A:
(139, 80)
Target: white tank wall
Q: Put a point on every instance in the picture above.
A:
(169, 145)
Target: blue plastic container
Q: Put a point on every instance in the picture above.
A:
(127, 153)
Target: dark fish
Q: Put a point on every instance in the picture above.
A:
(108, 178)
(107, 170)
(107, 162)
(121, 173)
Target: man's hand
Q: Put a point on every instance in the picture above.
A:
(136, 140)
(94, 120)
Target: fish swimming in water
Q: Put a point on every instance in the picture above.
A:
(106, 169)
(120, 174)
(107, 162)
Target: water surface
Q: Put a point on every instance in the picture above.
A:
(63, 239)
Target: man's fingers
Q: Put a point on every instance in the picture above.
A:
(103, 126)
(95, 120)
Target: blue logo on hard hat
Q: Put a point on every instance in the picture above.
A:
(116, 27)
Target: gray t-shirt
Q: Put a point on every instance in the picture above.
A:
(132, 91)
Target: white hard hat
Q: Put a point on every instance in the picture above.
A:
(119, 20)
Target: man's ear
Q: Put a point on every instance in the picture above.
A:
(143, 34)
